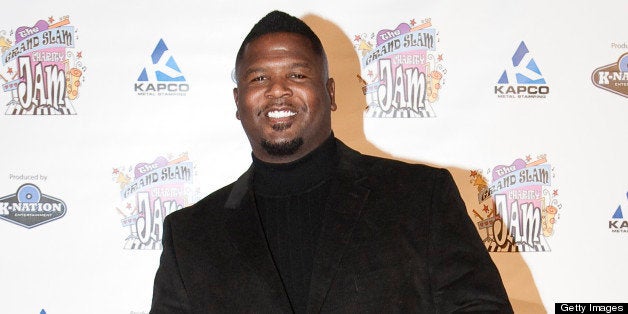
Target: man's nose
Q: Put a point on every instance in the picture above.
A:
(279, 88)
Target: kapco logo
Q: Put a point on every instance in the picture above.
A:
(162, 76)
(522, 78)
(617, 223)
(29, 208)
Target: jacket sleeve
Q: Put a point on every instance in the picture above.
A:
(463, 276)
(169, 293)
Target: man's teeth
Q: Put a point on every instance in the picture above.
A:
(281, 113)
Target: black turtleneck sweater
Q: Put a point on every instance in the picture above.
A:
(291, 199)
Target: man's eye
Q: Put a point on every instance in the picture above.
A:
(296, 75)
(258, 79)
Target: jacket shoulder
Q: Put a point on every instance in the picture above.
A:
(211, 205)
(390, 169)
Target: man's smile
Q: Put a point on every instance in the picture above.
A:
(278, 114)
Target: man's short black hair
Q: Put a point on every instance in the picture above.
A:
(278, 22)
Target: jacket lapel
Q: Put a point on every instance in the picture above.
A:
(245, 232)
(346, 200)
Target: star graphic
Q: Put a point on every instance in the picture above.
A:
(485, 209)
(79, 54)
(555, 193)
(474, 173)
(412, 22)
(370, 74)
(440, 57)
(50, 20)
(10, 70)
(357, 38)
(528, 158)
(128, 205)
(115, 171)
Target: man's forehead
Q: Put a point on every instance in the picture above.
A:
(283, 44)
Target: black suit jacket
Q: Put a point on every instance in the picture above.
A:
(396, 237)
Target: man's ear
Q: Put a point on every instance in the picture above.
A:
(331, 90)
(235, 98)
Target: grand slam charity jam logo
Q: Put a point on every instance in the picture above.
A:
(161, 76)
(522, 78)
(613, 77)
(29, 207)
(519, 207)
(42, 72)
(401, 70)
(149, 192)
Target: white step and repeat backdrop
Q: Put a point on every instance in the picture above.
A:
(114, 114)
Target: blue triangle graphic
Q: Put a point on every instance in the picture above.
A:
(532, 67)
(143, 76)
(42, 311)
(503, 79)
(156, 56)
(159, 51)
(518, 56)
(618, 214)
(162, 77)
(522, 79)
(173, 64)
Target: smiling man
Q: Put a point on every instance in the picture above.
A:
(284, 96)
(314, 226)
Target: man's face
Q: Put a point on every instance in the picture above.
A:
(284, 97)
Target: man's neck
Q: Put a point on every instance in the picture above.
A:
(298, 175)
